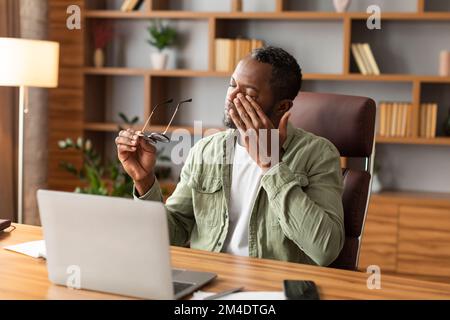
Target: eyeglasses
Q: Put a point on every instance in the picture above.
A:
(155, 137)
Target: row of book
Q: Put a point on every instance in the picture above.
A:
(364, 58)
(428, 120)
(230, 51)
(131, 5)
(396, 119)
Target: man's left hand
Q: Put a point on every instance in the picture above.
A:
(252, 122)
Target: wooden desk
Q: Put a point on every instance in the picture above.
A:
(22, 277)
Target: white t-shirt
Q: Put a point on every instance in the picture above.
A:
(246, 178)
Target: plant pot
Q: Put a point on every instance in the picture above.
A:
(341, 5)
(99, 58)
(159, 60)
(376, 184)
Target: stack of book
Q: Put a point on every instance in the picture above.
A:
(230, 51)
(364, 58)
(428, 120)
(131, 5)
(396, 119)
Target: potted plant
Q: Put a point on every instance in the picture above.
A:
(162, 37)
(95, 176)
(376, 183)
(103, 34)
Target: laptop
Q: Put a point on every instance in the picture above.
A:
(112, 245)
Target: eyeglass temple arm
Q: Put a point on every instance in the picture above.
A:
(153, 111)
(175, 113)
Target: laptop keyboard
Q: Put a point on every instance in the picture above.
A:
(180, 286)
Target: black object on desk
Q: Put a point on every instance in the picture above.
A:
(4, 224)
(300, 290)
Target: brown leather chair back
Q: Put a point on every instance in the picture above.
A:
(349, 123)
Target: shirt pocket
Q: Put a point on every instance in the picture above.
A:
(207, 199)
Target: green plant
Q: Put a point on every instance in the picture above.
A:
(97, 178)
(162, 36)
(130, 122)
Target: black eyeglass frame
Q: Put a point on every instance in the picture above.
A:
(155, 137)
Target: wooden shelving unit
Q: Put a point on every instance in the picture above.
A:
(406, 232)
(154, 80)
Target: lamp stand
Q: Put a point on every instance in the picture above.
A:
(23, 92)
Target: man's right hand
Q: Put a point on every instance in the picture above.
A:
(138, 158)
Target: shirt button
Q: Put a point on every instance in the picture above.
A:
(219, 244)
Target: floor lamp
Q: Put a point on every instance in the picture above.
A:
(24, 64)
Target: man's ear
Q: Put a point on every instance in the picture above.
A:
(283, 107)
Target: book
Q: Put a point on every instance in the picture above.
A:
(388, 119)
(370, 58)
(431, 120)
(382, 120)
(358, 58)
(230, 51)
(364, 57)
(125, 5)
(131, 5)
(219, 48)
(137, 5)
(422, 122)
(394, 119)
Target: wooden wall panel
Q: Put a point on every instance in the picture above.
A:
(424, 241)
(379, 241)
(66, 103)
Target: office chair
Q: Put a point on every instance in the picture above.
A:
(349, 123)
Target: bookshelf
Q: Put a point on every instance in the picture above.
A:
(94, 81)
(402, 226)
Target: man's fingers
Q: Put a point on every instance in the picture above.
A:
(243, 114)
(126, 141)
(237, 121)
(256, 121)
(129, 133)
(146, 146)
(260, 112)
(124, 148)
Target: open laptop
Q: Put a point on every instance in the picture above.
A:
(112, 245)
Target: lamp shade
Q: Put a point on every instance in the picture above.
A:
(30, 63)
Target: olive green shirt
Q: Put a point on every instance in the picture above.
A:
(297, 215)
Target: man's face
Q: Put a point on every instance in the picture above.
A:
(250, 78)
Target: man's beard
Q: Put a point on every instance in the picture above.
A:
(227, 121)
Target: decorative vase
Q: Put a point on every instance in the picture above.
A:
(447, 125)
(159, 60)
(99, 58)
(376, 184)
(341, 5)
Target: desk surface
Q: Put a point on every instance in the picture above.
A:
(22, 277)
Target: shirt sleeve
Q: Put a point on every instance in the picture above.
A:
(312, 218)
(179, 207)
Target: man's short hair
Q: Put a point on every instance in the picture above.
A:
(286, 78)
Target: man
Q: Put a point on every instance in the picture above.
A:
(286, 207)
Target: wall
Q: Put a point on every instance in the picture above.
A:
(400, 47)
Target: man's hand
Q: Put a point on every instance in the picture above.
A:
(138, 158)
(249, 118)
